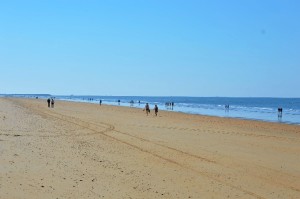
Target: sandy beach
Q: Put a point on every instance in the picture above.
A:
(81, 150)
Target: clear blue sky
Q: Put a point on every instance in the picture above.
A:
(248, 48)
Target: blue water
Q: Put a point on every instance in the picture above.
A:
(247, 108)
(264, 109)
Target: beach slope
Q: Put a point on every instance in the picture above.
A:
(80, 150)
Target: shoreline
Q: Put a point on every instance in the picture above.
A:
(259, 110)
(188, 113)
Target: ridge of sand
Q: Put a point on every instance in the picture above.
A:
(79, 150)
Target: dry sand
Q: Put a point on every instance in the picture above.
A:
(79, 150)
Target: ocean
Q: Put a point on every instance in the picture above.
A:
(265, 109)
(252, 108)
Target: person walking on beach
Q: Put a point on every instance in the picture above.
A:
(280, 112)
(100, 102)
(52, 103)
(48, 101)
(147, 108)
(155, 109)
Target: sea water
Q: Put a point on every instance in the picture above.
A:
(265, 109)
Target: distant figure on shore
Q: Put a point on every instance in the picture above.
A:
(131, 103)
(52, 103)
(147, 108)
(227, 107)
(139, 102)
(279, 112)
(169, 105)
(155, 109)
(48, 101)
(119, 102)
(100, 102)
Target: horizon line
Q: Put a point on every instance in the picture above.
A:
(47, 94)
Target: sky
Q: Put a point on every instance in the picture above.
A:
(231, 48)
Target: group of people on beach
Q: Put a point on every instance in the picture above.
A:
(279, 110)
(169, 105)
(50, 101)
(147, 109)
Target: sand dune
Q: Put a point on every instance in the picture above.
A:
(79, 150)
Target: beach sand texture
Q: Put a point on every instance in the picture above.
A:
(81, 150)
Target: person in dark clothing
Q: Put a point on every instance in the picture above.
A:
(147, 108)
(52, 103)
(100, 102)
(280, 112)
(48, 101)
(155, 109)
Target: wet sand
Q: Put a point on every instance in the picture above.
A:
(79, 150)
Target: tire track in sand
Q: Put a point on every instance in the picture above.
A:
(95, 129)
